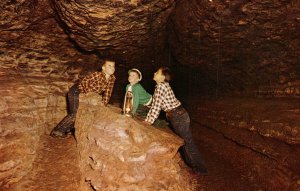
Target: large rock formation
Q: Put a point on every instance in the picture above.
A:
(119, 153)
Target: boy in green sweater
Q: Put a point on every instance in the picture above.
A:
(136, 98)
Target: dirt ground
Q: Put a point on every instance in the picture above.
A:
(221, 175)
(55, 168)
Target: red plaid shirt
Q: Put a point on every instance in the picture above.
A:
(163, 99)
(96, 82)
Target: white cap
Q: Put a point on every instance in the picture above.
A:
(137, 71)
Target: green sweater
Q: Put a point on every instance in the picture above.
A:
(140, 96)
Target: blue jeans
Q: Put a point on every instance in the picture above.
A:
(180, 121)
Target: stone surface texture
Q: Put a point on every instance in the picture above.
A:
(246, 47)
(246, 50)
(133, 31)
(119, 153)
(37, 66)
(56, 167)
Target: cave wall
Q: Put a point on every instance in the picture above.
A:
(238, 47)
(230, 58)
(37, 65)
(45, 47)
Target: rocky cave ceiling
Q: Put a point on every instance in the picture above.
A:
(233, 44)
(128, 30)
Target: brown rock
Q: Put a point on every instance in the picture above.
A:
(118, 152)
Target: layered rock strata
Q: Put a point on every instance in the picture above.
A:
(37, 66)
(127, 30)
(250, 47)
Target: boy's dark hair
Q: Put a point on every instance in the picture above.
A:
(109, 60)
(166, 72)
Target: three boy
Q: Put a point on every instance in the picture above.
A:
(136, 101)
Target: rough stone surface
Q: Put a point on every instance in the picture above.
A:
(129, 30)
(118, 153)
(237, 46)
(256, 116)
(54, 168)
(233, 47)
(27, 111)
(37, 65)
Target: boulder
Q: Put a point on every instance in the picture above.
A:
(119, 153)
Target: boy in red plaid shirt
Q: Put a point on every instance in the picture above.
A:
(98, 82)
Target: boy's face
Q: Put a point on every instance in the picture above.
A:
(108, 67)
(133, 78)
(159, 77)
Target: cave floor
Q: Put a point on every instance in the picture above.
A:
(222, 176)
(56, 168)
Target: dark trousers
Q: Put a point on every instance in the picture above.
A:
(180, 121)
(67, 123)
